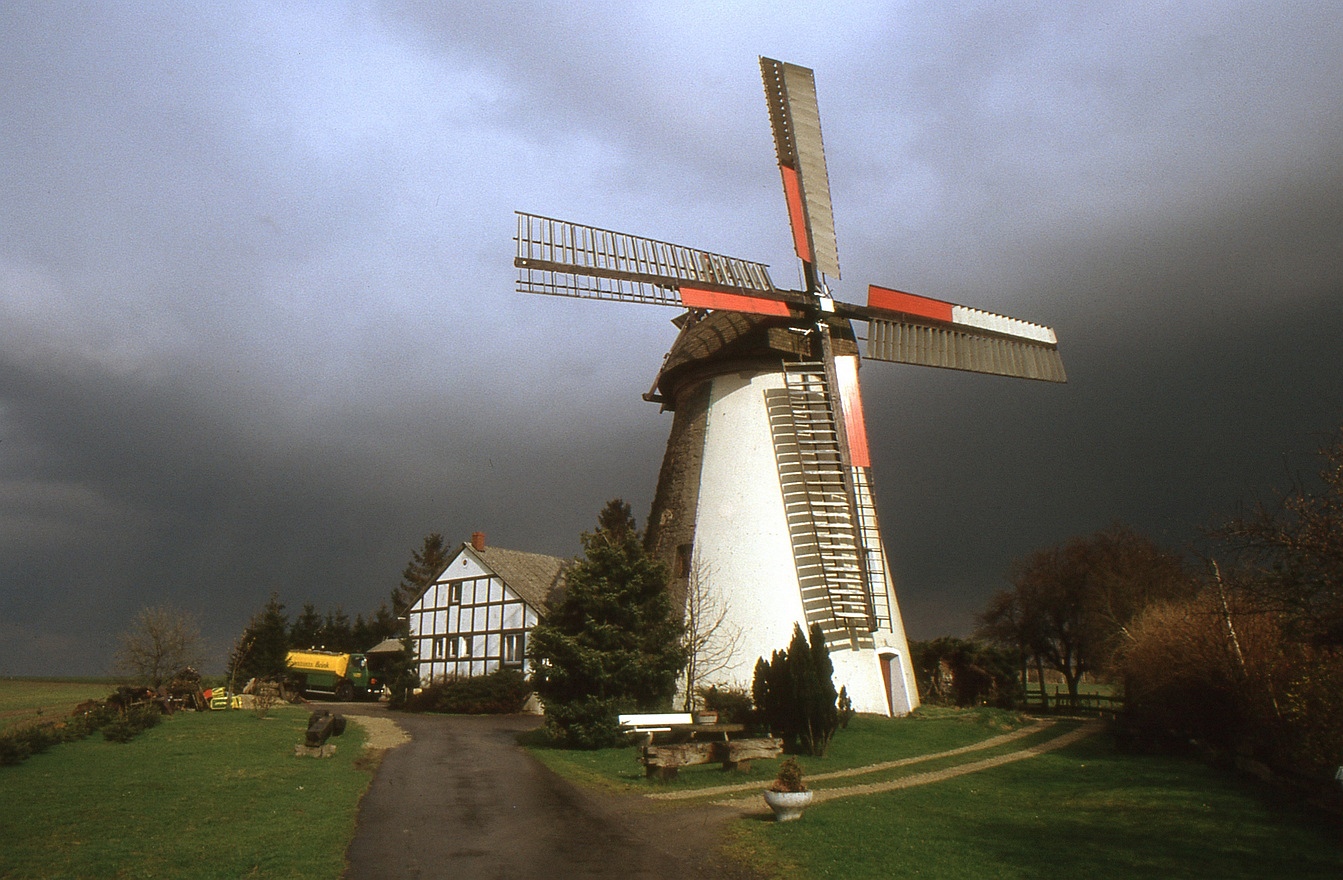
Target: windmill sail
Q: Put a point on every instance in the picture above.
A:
(816, 483)
(795, 119)
(560, 258)
(909, 329)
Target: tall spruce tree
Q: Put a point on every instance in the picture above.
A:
(425, 564)
(306, 630)
(263, 645)
(612, 643)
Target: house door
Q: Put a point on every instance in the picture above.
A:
(893, 676)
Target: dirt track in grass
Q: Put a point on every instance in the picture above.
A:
(825, 794)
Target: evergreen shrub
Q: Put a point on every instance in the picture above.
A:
(499, 693)
(733, 705)
(136, 720)
(795, 693)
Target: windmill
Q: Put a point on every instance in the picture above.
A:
(765, 495)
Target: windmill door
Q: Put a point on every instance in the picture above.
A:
(893, 676)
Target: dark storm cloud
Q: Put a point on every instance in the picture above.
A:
(257, 327)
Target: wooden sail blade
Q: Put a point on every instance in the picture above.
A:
(885, 303)
(560, 258)
(958, 347)
(795, 119)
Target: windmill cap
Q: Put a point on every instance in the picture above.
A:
(725, 341)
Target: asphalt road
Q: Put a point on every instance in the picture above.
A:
(463, 801)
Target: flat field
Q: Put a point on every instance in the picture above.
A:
(31, 699)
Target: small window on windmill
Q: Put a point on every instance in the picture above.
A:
(683, 554)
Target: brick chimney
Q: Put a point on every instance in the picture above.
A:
(477, 541)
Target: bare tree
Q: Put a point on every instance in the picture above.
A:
(711, 639)
(1289, 552)
(1071, 605)
(161, 640)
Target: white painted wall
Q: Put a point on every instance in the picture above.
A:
(742, 547)
(744, 553)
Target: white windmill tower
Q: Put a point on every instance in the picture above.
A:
(765, 489)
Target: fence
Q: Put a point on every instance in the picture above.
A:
(1039, 700)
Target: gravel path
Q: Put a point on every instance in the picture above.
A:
(382, 733)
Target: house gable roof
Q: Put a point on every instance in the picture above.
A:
(531, 575)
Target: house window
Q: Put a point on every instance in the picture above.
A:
(438, 648)
(512, 649)
(466, 646)
(453, 647)
(455, 594)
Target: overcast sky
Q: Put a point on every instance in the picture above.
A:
(258, 329)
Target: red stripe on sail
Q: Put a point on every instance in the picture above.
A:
(797, 217)
(732, 302)
(908, 303)
(851, 399)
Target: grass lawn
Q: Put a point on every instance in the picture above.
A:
(28, 699)
(867, 740)
(1084, 811)
(208, 794)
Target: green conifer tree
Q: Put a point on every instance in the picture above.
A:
(612, 643)
(263, 645)
(795, 693)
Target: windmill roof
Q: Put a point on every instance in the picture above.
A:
(726, 338)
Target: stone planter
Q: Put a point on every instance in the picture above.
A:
(787, 805)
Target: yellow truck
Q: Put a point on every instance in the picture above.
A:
(330, 673)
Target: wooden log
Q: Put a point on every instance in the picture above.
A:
(680, 754)
(747, 749)
(738, 754)
(662, 761)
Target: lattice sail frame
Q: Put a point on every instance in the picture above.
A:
(560, 258)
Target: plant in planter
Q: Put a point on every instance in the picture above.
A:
(788, 796)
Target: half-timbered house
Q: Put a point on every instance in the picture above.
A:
(474, 618)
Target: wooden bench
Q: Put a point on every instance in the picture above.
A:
(655, 723)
